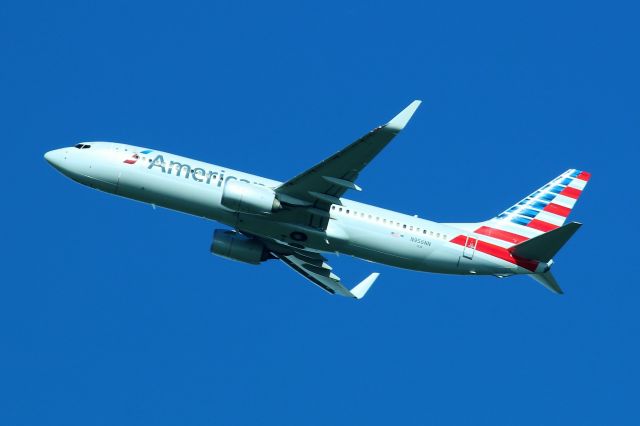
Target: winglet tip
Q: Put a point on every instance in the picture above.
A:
(398, 122)
(361, 289)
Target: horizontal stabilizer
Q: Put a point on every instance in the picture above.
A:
(545, 246)
(548, 280)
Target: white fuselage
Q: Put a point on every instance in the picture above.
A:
(356, 229)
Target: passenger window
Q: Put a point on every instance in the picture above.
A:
(431, 233)
(404, 226)
(347, 211)
(340, 209)
(438, 235)
(333, 207)
(411, 228)
(424, 231)
(384, 220)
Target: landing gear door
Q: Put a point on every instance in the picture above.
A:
(469, 247)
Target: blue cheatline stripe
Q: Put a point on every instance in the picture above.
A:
(529, 213)
(575, 173)
(566, 181)
(548, 197)
(521, 220)
(539, 205)
(146, 151)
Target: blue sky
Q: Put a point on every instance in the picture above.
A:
(113, 313)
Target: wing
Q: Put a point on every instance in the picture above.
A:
(323, 184)
(313, 266)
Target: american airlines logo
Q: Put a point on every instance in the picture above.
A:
(198, 174)
(132, 160)
(135, 157)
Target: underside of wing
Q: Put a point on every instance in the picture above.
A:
(316, 271)
(314, 267)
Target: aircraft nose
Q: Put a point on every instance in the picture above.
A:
(55, 158)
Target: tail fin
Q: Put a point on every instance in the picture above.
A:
(542, 211)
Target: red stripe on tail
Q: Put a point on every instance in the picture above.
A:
(557, 209)
(542, 226)
(500, 234)
(571, 192)
(460, 240)
(584, 176)
(499, 252)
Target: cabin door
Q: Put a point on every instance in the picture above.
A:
(469, 247)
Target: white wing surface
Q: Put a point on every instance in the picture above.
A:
(323, 184)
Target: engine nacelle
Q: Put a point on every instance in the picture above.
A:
(249, 198)
(235, 246)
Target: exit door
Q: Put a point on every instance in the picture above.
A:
(469, 247)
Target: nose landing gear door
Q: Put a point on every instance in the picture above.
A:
(469, 247)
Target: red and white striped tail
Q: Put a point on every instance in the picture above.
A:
(542, 211)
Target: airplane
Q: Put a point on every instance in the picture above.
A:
(303, 219)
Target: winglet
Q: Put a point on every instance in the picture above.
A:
(361, 289)
(398, 122)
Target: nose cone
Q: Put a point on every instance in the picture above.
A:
(55, 158)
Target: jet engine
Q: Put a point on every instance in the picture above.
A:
(235, 246)
(249, 198)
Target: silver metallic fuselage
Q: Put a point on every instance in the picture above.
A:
(356, 229)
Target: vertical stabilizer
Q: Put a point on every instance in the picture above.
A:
(541, 211)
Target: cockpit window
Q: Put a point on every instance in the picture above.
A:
(79, 146)
(82, 146)
(86, 146)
